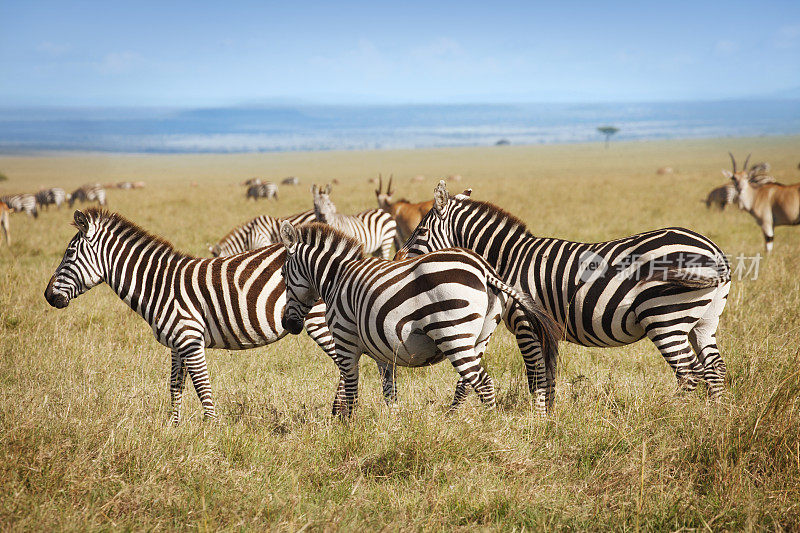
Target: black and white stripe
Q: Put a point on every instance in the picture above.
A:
(263, 190)
(21, 202)
(53, 196)
(669, 285)
(88, 193)
(410, 313)
(191, 303)
(256, 233)
(375, 229)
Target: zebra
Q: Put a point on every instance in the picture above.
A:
(190, 303)
(263, 190)
(374, 228)
(256, 233)
(670, 284)
(54, 196)
(88, 193)
(409, 313)
(291, 180)
(21, 202)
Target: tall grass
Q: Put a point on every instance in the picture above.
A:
(84, 439)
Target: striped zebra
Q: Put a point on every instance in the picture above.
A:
(4, 212)
(256, 233)
(374, 228)
(190, 303)
(263, 190)
(669, 285)
(88, 193)
(409, 313)
(53, 196)
(21, 202)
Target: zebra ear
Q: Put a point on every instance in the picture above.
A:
(314, 189)
(440, 198)
(328, 189)
(289, 236)
(81, 222)
(464, 195)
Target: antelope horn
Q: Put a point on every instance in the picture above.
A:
(745, 162)
(733, 161)
(389, 188)
(380, 184)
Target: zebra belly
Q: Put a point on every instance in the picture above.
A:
(416, 349)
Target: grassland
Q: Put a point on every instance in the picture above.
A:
(84, 442)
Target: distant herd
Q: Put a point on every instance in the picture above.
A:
(462, 266)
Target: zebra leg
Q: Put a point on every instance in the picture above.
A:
(673, 343)
(348, 365)
(467, 362)
(194, 357)
(387, 372)
(177, 380)
(540, 385)
(704, 341)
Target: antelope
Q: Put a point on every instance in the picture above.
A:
(4, 212)
(726, 194)
(405, 214)
(771, 204)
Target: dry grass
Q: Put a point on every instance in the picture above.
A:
(84, 442)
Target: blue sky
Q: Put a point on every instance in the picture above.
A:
(235, 53)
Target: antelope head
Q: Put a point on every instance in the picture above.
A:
(384, 198)
(741, 181)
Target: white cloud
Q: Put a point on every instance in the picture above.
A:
(119, 62)
(53, 49)
(787, 37)
(725, 47)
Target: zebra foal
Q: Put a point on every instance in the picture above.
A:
(190, 303)
(669, 285)
(410, 313)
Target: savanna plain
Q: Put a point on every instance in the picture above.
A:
(84, 436)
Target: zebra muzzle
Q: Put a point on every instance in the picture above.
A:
(55, 299)
(292, 325)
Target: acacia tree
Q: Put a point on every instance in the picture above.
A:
(608, 131)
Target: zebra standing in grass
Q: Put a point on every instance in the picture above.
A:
(669, 285)
(88, 193)
(265, 230)
(54, 196)
(263, 190)
(374, 228)
(21, 202)
(256, 233)
(409, 313)
(191, 303)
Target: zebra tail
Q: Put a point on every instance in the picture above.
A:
(691, 279)
(548, 330)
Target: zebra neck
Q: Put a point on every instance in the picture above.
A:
(139, 270)
(325, 275)
(500, 248)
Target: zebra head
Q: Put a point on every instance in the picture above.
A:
(80, 268)
(323, 206)
(434, 230)
(300, 293)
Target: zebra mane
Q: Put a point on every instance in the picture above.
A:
(109, 220)
(325, 237)
(500, 213)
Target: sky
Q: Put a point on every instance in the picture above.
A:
(71, 53)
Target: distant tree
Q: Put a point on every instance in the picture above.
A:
(502, 142)
(608, 131)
